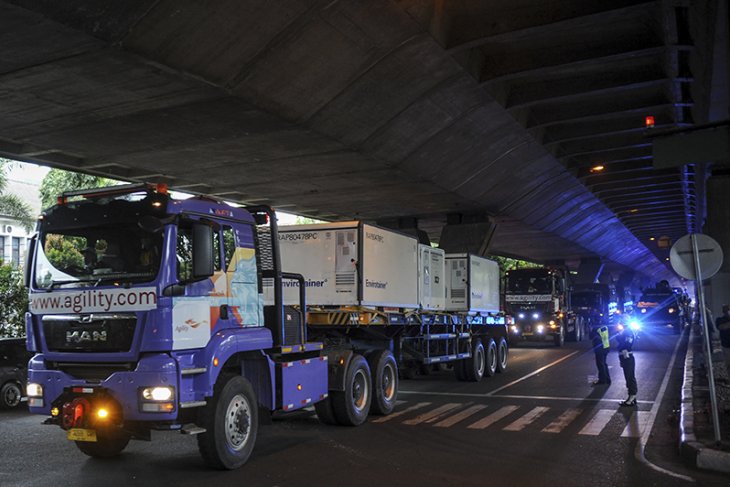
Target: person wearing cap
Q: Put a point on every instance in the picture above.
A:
(626, 340)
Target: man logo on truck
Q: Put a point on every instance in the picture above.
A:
(85, 336)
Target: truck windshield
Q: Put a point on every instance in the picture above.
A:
(585, 300)
(91, 255)
(529, 285)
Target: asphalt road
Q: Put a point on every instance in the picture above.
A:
(539, 423)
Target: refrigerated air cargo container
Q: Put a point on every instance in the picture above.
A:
(370, 286)
(473, 284)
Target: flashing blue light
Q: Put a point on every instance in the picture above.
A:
(635, 325)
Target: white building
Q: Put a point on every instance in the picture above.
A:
(24, 181)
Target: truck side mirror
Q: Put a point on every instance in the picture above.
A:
(28, 271)
(202, 251)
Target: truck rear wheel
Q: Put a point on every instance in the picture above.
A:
(502, 354)
(475, 365)
(491, 365)
(231, 420)
(352, 406)
(107, 444)
(385, 381)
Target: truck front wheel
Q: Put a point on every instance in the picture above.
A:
(107, 444)
(231, 420)
(351, 406)
(385, 381)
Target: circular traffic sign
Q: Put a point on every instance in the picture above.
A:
(681, 256)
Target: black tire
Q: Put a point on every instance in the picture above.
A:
(352, 406)
(502, 355)
(475, 365)
(559, 338)
(325, 413)
(10, 395)
(491, 359)
(384, 378)
(107, 444)
(231, 420)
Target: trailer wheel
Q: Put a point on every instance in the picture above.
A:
(502, 354)
(385, 381)
(107, 444)
(10, 395)
(351, 406)
(325, 413)
(477, 363)
(491, 355)
(231, 420)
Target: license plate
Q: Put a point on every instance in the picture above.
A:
(79, 434)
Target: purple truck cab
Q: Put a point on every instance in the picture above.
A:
(147, 313)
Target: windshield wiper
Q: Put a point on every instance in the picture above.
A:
(61, 283)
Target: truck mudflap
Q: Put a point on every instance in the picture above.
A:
(302, 382)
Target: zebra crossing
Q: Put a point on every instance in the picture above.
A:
(514, 418)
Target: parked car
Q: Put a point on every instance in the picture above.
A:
(13, 371)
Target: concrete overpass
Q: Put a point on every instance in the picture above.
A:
(407, 112)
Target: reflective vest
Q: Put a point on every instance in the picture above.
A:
(603, 332)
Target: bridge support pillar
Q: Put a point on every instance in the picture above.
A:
(467, 233)
(718, 227)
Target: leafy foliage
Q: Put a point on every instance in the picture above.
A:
(13, 302)
(10, 204)
(58, 181)
(65, 252)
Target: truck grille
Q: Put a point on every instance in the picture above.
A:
(89, 333)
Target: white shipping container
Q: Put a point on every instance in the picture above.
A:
(349, 264)
(472, 284)
(431, 282)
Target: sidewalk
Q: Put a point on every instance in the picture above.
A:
(697, 437)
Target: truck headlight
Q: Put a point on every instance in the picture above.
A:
(164, 393)
(535, 316)
(540, 328)
(671, 310)
(521, 316)
(34, 390)
(35, 395)
(159, 399)
(643, 310)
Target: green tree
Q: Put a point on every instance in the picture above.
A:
(58, 181)
(13, 302)
(11, 205)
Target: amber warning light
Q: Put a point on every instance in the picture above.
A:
(649, 121)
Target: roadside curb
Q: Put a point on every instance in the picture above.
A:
(695, 453)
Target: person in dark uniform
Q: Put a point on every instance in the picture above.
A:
(626, 358)
(600, 339)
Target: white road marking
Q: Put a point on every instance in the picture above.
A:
(452, 420)
(563, 421)
(636, 425)
(416, 406)
(525, 377)
(518, 396)
(641, 444)
(493, 418)
(597, 422)
(432, 415)
(526, 420)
